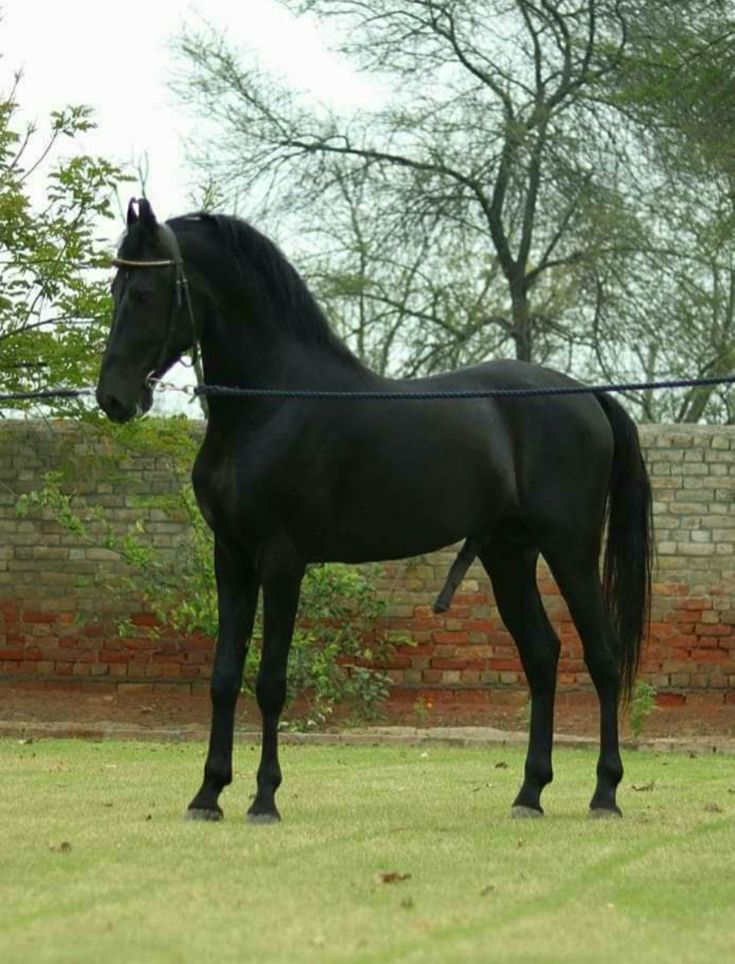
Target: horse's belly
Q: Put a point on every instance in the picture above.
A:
(406, 515)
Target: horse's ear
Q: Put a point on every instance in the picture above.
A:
(146, 213)
(132, 213)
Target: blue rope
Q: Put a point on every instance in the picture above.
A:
(227, 391)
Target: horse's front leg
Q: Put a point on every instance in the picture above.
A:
(282, 573)
(237, 596)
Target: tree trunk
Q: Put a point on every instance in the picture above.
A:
(522, 333)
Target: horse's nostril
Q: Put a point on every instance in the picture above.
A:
(113, 408)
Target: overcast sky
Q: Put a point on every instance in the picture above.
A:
(116, 58)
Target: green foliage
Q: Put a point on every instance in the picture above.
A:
(53, 310)
(331, 661)
(677, 79)
(329, 653)
(642, 704)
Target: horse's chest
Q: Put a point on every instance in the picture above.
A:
(227, 494)
(214, 487)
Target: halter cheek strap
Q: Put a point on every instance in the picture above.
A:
(182, 296)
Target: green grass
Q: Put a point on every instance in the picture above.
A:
(138, 884)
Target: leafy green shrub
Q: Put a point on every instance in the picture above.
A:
(642, 704)
(331, 662)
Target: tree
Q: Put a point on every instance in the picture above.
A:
(549, 180)
(495, 153)
(408, 296)
(675, 84)
(53, 305)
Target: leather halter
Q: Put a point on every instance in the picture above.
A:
(181, 297)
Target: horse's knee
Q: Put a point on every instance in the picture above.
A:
(224, 690)
(270, 692)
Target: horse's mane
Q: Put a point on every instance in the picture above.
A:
(263, 268)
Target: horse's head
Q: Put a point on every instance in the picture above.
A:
(152, 324)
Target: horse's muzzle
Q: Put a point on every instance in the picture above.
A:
(119, 408)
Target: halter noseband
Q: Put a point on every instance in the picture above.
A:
(181, 285)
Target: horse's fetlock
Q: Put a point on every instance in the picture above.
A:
(218, 775)
(611, 771)
(270, 775)
(539, 774)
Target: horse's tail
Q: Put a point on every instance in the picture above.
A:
(629, 551)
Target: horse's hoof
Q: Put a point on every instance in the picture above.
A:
(519, 812)
(195, 813)
(263, 818)
(605, 813)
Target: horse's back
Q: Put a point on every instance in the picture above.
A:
(554, 452)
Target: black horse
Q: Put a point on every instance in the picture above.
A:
(285, 482)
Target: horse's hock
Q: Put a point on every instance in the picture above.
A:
(59, 631)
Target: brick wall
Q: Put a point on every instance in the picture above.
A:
(55, 622)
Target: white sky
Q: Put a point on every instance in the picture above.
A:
(116, 58)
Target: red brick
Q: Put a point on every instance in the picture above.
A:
(9, 610)
(712, 629)
(440, 663)
(709, 655)
(144, 619)
(91, 630)
(17, 653)
(139, 642)
(478, 625)
(163, 670)
(469, 598)
(457, 637)
(395, 662)
(505, 664)
(106, 656)
(670, 699)
(671, 589)
(36, 616)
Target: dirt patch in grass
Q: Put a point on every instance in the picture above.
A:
(176, 709)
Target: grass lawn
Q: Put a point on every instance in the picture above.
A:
(97, 865)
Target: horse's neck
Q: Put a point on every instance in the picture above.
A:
(239, 349)
(232, 354)
(248, 338)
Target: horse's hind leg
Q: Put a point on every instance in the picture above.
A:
(512, 571)
(578, 578)
(237, 595)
